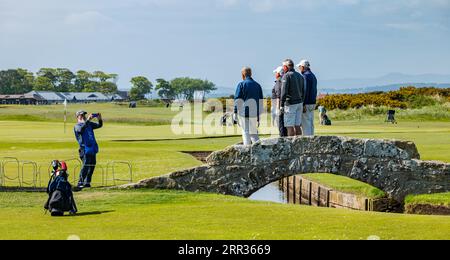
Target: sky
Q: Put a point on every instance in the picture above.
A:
(214, 39)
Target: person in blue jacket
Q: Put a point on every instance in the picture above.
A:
(309, 105)
(84, 133)
(248, 106)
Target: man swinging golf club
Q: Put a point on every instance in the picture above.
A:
(84, 133)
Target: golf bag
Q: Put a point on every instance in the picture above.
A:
(391, 117)
(59, 190)
(326, 120)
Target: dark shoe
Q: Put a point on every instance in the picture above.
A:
(77, 188)
(57, 213)
(87, 185)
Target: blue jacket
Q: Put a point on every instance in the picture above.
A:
(84, 133)
(248, 98)
(310, 88)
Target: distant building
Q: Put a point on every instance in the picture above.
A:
(22, 99)
(48, 97)
(124, 94)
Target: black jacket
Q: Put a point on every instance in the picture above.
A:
(293, 88)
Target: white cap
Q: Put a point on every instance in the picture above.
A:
(304, 63)
(278, 70)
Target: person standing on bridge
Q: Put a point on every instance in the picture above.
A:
(310, 98)
(278, 117)
(84, 133)
(292, 98)
(248, 106)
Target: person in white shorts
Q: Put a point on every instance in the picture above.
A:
(292, 97)
(310, 101)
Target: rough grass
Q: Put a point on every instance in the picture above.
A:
(191, 216)
(438, 112)
(345, 184)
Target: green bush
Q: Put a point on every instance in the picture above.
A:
(408, 97)
(419, 101)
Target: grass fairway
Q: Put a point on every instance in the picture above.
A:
(179, 215)
(154, 150)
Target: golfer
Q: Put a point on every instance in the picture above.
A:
(310, 98)
(292, 98)
(84, 133)
(248, 106)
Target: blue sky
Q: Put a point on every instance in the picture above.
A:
(213, 39)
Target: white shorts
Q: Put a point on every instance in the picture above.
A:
(293, 115)
(308, 121)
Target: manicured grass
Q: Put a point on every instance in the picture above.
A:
(111, 112)
(191, 216)
(155, 150)
(345, 184)
(440, 199)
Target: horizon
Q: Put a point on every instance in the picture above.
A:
(343, 39)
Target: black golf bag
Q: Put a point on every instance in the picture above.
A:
(59, 190)
(326, 120)
(391, 117)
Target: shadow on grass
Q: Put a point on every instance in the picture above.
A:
(22, 189)
(93, 213)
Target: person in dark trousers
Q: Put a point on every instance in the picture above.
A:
(248, 106)
(84, 133)
(276, 96)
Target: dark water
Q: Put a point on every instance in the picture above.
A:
(271, 192)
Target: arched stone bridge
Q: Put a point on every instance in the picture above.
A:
(390, 165)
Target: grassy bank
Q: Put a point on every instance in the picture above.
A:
(347, 185)
(441, 199)
(179, 215)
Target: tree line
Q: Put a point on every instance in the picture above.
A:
(19, 81)
(183, 88)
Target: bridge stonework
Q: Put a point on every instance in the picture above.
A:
(392, 166)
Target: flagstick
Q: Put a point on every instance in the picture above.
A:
(65, 114)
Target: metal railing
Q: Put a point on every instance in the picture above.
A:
(17, 173)
(35, 174)
(112, 165)
(3, 166)
(19, 169)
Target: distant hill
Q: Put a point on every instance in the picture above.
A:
(389, 82)
(389, 79)
(385, 88)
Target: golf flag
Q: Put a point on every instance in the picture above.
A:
(65, 114)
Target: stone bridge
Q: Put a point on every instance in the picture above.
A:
(390, 165)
